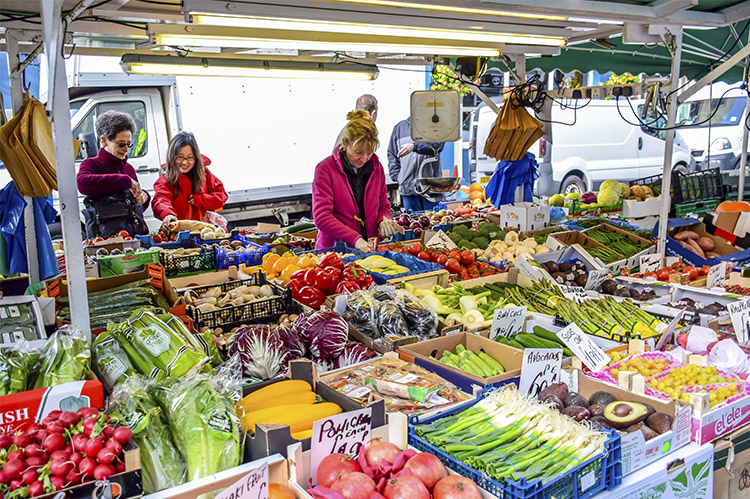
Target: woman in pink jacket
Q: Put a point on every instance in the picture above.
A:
(350, 201)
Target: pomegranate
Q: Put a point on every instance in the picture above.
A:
(332, 464)
(456, 487)
(354, 485)
(427, 468)
(380, 453)
(405, 487)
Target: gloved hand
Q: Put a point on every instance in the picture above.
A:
(389, 228)
(361, 245)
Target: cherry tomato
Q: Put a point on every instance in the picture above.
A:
(453, 266)
(472, 268)
(483, 266)
(123, 234)
(678, 265)
(423, 255)
(650, 274)
(98, 239)
(467, 257)
(464, 275)
(662, 275)
(704, 270)
(456, 255)
(691, 271)
(441, 259)
(157, 238)
(415, 248)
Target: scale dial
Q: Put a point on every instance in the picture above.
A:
(435, 116)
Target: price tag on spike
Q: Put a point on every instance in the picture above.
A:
(540, 368)
(584, 347)
(344, 433)
(254, 485)
(650, 263)
(440, 240)
(507, 321)
(595, 279)
(717, 276)
(739, 312)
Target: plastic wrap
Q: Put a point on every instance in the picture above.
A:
(728, 356)
(362, 312)
(390, 320)
(162, 464)
(66, 358)
(16, 367)
(111, 360)
(385, 310)
(421, 319)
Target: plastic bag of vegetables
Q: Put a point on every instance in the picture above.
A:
(262, 351)
(163, 465)
(391, 321)
(362, 312)
(201, 342)
(66, 357)
(16, 366)
(420, 318)
(111, 360)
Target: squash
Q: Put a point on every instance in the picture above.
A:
(308, 397)
(276, 390)
(301, 435)
(298, 417)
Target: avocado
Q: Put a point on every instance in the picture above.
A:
(609, 287)
(647, 432)
(565, 266)
(600, 423)
(660, 422)
(597, 409)
(603, 398)
(621, 414)
(575, 399)
(552, 267)
(559, 390)
(577, 412)
(551, 398)
(581, 280)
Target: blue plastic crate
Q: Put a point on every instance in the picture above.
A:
(606, 467)
(408, 235)
(233, 237)
(252, 254)
(409, 261)
(339, 247)
(183, 241)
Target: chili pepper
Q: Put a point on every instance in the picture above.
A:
(327, 280)
(295, 285)
(311, 275)
(347, 287)
(331, 260)
(311, 296)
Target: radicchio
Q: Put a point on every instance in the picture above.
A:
(324, 333)
(323, 365)
(353, 353)
(261, 350)
(292, 341)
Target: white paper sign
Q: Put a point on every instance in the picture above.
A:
(650, 263)
(344, 433)
(507, 321)
(583, 347)
(440, 240)
(717, 276)
(540, 368)
(254, 485)
(739, 312)
(575, 293)
(596, 278)
(666, 336)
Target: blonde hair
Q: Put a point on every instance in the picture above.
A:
(361, 132)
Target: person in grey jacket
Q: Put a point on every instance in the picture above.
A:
(367, 102)
(404, 159)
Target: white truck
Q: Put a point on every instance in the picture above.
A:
(264, 136)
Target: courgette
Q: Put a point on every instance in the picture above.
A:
(300, 227)
(512, 342)
(532, 341)
(547, 334)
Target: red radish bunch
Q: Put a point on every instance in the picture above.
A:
(66, 448)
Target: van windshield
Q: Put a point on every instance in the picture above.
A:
(697, 113)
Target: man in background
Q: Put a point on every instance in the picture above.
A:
(367, 102)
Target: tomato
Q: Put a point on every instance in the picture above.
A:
(441, 259)
(415, 248)
(423, 255)
(662, 275)
(127, 238)
(650, 274)
(678, 265)
(467, 257)
(704, 270)
(483, 266)
(453, 266)
(456, 255)
(98, 239)
(157, 238)
(123, 234)
(691, 271)
(464, 275)
(472, 268)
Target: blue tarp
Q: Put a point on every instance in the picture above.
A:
(508, 176)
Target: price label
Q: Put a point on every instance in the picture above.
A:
(10, 337)
(453, 330)
(540, 368)
(254, 485)
(440, 240)
(507, 321)
(372, 244)
(666, 336)
(344, 433)
(739, 312)
(717, 274)
(596, 278)
(650, 263)
(575, 293)
(583, 347)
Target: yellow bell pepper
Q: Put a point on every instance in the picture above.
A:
(280, 265)
(269, 259)
(307, 262)
(287, 272)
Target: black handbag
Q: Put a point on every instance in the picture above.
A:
(107, 215)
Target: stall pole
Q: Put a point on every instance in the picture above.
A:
(16, 98)
(743, 153)
(521, 73)
(58, 108)
(666, 183)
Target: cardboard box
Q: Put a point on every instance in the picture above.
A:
(531, 265)
(635, 260)
(732, 226)
(732, 465)
(11, 307)
(723, 248)
(421, 354)
(117, 243)
(524, 216)
(562, 240)
(14, 286)
(640, 209)
(719, 422)
(19, 410)
(127, 263)
(636, 451)
(274, 438)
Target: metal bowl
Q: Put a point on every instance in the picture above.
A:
(440, 184)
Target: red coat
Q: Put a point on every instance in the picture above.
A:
(334, 207)
(211, 198)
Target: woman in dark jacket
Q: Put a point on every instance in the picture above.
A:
(114, 198)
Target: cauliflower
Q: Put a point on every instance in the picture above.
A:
(508, 255)
(492, 252)
(511, 238)
(497, 259)
(479, 253)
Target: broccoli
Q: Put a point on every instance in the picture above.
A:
(461, 230)
(471, 245)
(484, 229)
(481, 242)
(455, 237)
(463, 243)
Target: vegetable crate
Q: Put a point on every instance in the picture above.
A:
(182, 241)
(235, 236)
(247, 313)
(177, 265)
(698, 208)
(339, 247)
(251, 255)
(697, 186)
(602, 472)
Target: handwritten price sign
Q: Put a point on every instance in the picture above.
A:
(583, 347)
(253, 486)
(440, 240)
(507, 321)
(344, 433)
(650, 263)
(739, 312)
(717, 276)
(575, 293)
(540, 368)
(596, 278)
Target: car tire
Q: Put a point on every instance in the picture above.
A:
(681, 168)
(572, 183)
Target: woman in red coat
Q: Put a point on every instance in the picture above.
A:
(187, 190)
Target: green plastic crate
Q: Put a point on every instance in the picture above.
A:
(699, 208)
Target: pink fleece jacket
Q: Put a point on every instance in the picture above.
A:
(334, 207)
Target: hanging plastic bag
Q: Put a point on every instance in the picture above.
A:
(728, 356)
(508, 175)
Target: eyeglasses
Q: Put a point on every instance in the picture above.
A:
(183, 159)
(123, 145)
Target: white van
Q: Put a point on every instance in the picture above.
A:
(586, 146)
(714, 143)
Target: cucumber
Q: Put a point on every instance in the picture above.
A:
(547, 334)
(300, 227)
(512, 342)
(503, 340)
(532, 341)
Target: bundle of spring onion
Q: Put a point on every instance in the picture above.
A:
(512, 436)
(455, 304)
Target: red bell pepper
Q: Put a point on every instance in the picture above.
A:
(298, 275)
(347, 287)
(311, 275)
(327, 280)
(359, 275)
(331, 260)
(295, 285)
(312, 297)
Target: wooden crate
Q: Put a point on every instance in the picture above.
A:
(426, 280)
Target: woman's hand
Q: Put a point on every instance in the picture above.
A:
(169, 223)
(389, 228)
(141, 197)
(361, 245)
(135, 188)
(191, 200)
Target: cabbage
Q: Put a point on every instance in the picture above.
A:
(611, 185)
(292, 341)
(299, 324)
(353, 353)
(607, 198)
(324, 333)
(261, 350)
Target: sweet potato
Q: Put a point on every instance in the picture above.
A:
(706, 243)
(693, 246)
(685, 234)
(711, 254)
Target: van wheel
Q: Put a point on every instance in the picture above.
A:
(680, 168)
(573, 183)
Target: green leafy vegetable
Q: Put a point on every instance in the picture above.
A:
(66, 358)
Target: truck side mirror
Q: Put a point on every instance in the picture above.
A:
(89, 146)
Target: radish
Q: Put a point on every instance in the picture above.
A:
(54, 414)
(92, 447)
(4, 477)
(16, 484)
(104, 471)
(57, 482)
(68, 419)
(36, 489)
(68, 448)
(107, 432)
(72, 478)
(33, 428)
(36, 461)
(33, 450)
(54, 427)
(5, 441)
(58, 467)
(21, 440)
(120, 467)
(41, 435)
(76, 457)
(79, 441)
(14, 467)
(114, 445)
(16, 454)
(87, 412)
(122, 434)
(29, 476)
(53, 442)
(59, 454)
(88, 426)
(106, 456)
(86, 466)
